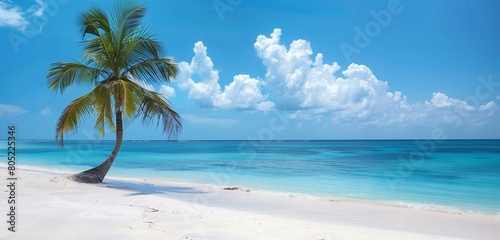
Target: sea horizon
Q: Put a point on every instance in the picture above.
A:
(253, 140)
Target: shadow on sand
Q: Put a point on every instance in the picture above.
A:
(148, 188)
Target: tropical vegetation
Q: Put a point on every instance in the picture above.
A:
(120, 57)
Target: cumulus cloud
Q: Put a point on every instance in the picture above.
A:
(302, 83)
(45, 112)
(8, 111)
(488, 106)
(167, 91)
(440, 100)
(298, 80)
(201, 79)
(13, 16)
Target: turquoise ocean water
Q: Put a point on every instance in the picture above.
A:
(451, 175)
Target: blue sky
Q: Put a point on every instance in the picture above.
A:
(270, 70)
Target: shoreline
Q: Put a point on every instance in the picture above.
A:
(447, 209)
(131, 207)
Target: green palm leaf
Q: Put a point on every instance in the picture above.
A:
(155, 108)
(74, 113)
(62, 75)
(154, 71)
(103, 104)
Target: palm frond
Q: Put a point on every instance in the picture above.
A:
(127, 96)
(96, 51)
(138, 46)
(156, 108)
(128, 17)
(147, 45)
(62, 75)
(94, 21)
(154, 71)
(73, 115)
(103, 104)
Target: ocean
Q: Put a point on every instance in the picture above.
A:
(459, 176)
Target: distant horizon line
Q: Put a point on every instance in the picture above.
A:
(256, 140)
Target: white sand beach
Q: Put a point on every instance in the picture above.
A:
(53, 207)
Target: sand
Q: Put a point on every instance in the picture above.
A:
(52, 207)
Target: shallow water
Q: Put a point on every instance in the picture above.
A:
(451, 175)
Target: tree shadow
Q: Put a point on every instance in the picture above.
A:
(148, 188)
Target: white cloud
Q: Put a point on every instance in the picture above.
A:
(8, 111)
(243, 93)
(300, 82)
(202, 81)
(13, 16)
(45, 112)
(167, 91)
(440, 100)
(210, 121)
(312, 88)
(488, 106)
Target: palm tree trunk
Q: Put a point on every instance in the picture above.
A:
(97, 174)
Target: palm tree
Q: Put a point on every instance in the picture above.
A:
(118, 52)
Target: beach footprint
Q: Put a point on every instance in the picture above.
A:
(191, 236)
